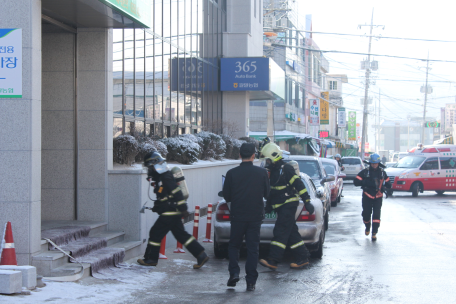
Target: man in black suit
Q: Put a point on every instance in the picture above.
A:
(245, 187)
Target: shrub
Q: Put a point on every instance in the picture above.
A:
(182, 149)
(125, 149)
(232, 146)
(147, 145)
(251, 140)
(212, 145)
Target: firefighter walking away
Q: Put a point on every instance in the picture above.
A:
(374, 181)
(171, 207)
(286, 189)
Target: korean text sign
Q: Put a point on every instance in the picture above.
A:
(314, 118)
(324, 112)
(342, 119)
(11, 63)
(352, 125)
(244, 74)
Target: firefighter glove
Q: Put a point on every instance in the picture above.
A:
(309, 207)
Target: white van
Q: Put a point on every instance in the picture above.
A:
(431, 169)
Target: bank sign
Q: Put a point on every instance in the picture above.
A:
(244, 74)
(11, 63)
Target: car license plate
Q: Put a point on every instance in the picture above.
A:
(270, 216)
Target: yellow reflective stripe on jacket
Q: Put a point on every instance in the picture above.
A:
(297, 245)
(293, 179)
(293, 199)
(278, 187)
(191, 239)
(171, 213)
(180, 202)
(154, 244)
(175, 190)
(279, 244)
(163, 199)
(302, 192)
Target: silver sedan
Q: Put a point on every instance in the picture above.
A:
(311, 227)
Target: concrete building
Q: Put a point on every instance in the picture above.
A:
(95, 69)
(402, 135)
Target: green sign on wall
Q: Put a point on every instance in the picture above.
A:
(137, 10)
(352, 125)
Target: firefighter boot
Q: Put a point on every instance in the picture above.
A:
(146, 262)
(200, 260)
(270, 263)
(299, 264)
(374, 237)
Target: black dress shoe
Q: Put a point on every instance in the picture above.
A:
(233, 280)
(250, 287)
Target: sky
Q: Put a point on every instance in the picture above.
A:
(399, 80)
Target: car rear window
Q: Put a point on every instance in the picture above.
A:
(310, 167)
(350, 161)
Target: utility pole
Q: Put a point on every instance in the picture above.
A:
(425, 99)
(366, 90)
(377, 138)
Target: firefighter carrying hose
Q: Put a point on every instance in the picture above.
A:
(171, 206)
(286, 188)
(373, 181)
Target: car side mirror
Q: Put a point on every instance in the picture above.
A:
(330, 178)
(319, 194)
(220, 193)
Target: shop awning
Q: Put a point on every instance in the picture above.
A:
(280, 135)
(444, 141)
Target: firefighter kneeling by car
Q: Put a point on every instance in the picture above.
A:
(171, 206)
(286, 188)
(373, 181)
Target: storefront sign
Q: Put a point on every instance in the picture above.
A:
(352, 125)
(358, 131)
(324, 113)
(244, 74)
(341, 118)
(314, 118)
(323, 134)
(191, 74)
(137, 10)
(11, 63)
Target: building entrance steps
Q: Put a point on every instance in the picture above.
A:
(90, 243)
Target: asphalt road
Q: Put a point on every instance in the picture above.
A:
(412, 261)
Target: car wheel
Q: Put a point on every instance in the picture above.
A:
(220, 250)
(319, 252)
(326, 219)
(415, 189)
(334, 204)
(440, 192)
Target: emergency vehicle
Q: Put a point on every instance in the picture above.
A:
(428, 168)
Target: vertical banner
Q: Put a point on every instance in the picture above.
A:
(314, 117)
(324, 108)
(352, 125)
(11, 63)
(358, 131)
(341, 118)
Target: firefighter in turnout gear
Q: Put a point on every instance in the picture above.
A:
(171, 207)
(286, 189)
(374, 181)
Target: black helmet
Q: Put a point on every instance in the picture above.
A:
(152, 158)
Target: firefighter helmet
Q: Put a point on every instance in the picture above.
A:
(157, 161)
(374, 158)
(271, 151)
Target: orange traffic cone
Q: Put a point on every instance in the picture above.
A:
(8, 252)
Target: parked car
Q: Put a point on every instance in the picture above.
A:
(401, 155)
(390, 164)
(352, 165)
(337, 186)
(311, 227)
(313, 167)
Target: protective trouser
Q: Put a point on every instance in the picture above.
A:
(162, 226)
(251, 231)
(286, 234)
(372, 207)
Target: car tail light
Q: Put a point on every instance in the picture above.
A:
(305, 216)
(223, 212)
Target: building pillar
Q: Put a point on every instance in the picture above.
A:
(94, 122)
(236, 112)
(20, 136)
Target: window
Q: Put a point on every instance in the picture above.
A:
(351, 161)
(431, 164)
(310, 167)
(332, 85)
(448, 162)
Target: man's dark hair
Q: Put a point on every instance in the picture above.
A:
(247, 150)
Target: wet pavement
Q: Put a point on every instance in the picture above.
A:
(412, 261)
